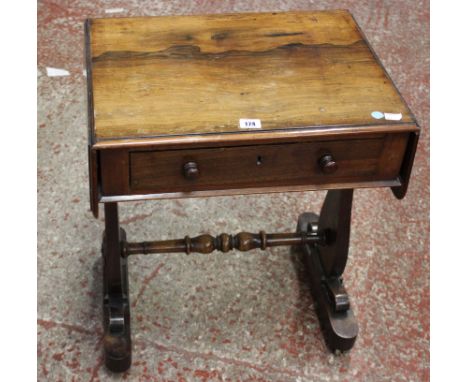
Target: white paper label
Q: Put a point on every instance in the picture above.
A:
(393, 116)
(114, 10)
(387, 116)
(250, 123)
(56, 72)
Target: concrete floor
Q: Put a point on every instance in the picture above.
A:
(235, 316)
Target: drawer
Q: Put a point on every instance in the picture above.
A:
(377, 158)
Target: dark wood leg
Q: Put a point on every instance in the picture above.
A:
(325, 262)
(117, 340)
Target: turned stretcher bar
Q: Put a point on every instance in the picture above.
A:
(243, 241)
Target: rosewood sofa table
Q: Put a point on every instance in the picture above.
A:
(195, 106)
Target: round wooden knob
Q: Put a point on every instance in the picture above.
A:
(327, 164)
(191, 170)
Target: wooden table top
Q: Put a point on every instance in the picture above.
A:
(183, 75)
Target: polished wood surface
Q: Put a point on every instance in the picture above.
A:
(183, 83)
(251, 137)
(160, 76)
(170, 171)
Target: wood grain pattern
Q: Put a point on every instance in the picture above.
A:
(160, 86)
(269, 165)
(160, 76)
(254, 137)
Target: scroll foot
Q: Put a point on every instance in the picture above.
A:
(337, 321)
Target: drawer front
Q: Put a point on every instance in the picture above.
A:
(291, 164)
